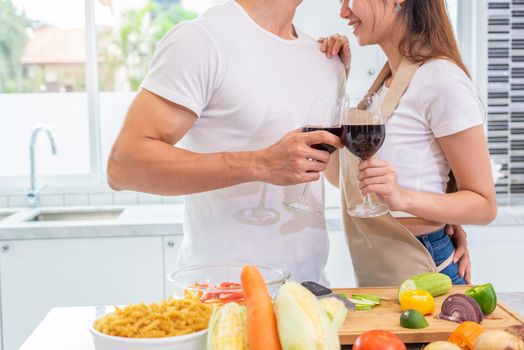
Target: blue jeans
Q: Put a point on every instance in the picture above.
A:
(440, 248)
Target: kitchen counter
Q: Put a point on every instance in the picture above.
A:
(134, 220)
(140, 220)
(67, 328)
(506, 216)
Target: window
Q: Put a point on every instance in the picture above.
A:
(453, 12)
(128, 32)
(505, 90)
(42, 80)
(77, 72)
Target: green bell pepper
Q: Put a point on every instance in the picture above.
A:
(485, 296)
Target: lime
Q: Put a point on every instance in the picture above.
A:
(413, 319)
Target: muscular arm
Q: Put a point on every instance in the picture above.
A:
(145, 157)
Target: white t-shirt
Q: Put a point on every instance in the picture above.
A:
(248, 88)
(440, 101)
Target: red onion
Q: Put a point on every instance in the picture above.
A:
(459, 308)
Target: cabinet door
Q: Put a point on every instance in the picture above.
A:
(339, 268)
(38, 275)
(171, 250)
(496, 256)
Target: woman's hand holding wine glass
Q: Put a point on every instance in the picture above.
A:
(364, 133)
(380, 177)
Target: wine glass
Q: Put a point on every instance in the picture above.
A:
(323, 114)
(364, 132)
(260, 214)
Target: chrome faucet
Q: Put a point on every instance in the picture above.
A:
(33, 196)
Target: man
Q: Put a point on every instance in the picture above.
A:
(226, 89)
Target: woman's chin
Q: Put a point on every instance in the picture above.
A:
(362, 41)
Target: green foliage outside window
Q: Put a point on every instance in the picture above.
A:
(132, 47)
(13, 38)
(124, 53)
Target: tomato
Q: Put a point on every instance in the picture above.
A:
(378, 340)
(233, 285)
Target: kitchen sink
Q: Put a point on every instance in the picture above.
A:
(6, 213)
(76, 215)
(3, 216)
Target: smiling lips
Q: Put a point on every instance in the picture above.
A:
(354, 24)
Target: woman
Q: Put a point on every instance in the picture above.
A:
(437, 126)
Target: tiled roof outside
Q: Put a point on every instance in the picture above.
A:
(50, 45)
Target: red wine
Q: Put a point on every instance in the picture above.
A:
(335, 130)
(363, 140)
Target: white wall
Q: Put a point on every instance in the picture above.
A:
(65, 113)
(199, 5)
(321, 18)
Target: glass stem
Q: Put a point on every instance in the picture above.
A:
(305, 193)
(367, 200)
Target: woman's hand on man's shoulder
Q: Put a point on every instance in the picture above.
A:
(337, 45)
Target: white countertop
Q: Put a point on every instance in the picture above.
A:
(135, 220)
(148, 220)
(66, 328)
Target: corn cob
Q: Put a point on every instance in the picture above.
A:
(227, 328)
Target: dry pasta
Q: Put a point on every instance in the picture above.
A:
(165, 319)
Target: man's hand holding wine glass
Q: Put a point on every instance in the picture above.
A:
(292, 160)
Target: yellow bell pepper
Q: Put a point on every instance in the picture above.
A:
(419, 300)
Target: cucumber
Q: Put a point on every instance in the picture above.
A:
(363, 307)
(367, 297)
(362, 302)
(433, 282)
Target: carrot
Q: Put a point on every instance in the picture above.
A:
(262, 333)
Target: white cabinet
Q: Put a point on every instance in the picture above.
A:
(339, 268)
(37, 275)
(496, 256)
(171, 249)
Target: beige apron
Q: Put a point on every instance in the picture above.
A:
(383, 251)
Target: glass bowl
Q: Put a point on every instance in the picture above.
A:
(221, 284)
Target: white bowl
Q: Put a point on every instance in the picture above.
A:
(192, 341)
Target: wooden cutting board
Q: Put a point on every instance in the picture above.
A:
(386, 317)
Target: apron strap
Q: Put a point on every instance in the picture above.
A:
(382, 76)
(401, 81)
(405, 73)
(446, 262)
